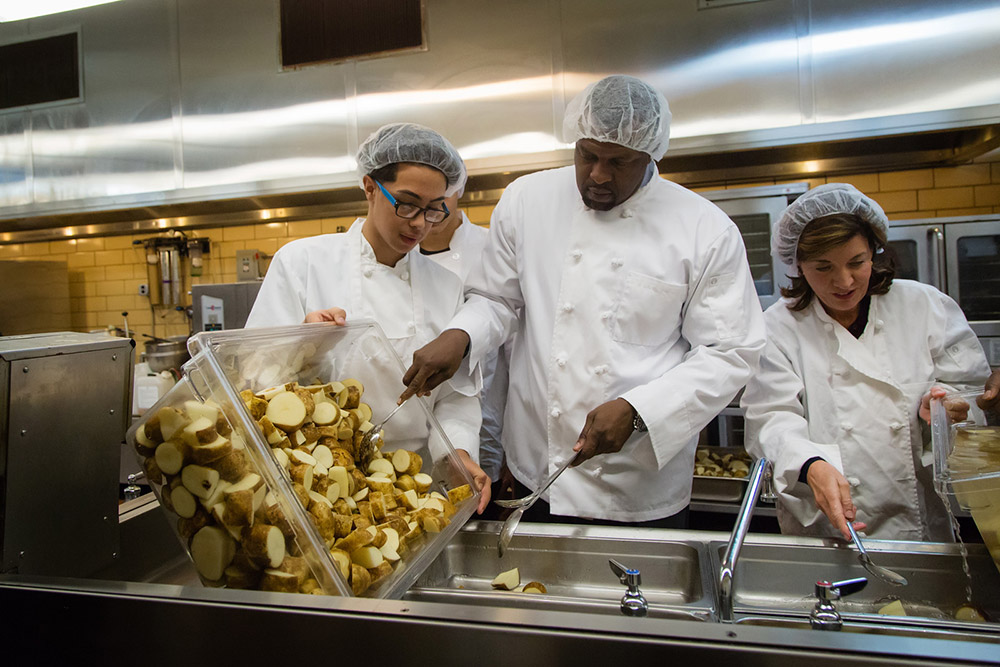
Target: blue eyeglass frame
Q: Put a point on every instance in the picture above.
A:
(420, 209)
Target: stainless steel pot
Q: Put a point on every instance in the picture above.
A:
(168, 353)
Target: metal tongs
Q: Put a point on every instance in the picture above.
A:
(883, 573)
(521, 505)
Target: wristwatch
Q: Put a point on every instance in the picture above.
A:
(638, 424)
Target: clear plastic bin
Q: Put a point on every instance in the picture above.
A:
(967, 462)
(226, 363)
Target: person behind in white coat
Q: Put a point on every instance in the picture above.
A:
(845, 381)
(457, 244)
(374, 270)
(636, 317)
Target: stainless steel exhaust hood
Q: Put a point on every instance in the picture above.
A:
(188, 120)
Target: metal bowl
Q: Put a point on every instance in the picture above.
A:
(167, 354)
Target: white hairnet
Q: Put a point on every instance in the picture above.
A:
(620, 110)
(821, 201)
(409, 142)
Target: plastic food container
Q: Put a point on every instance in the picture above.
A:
(967, 462)
(226, 363)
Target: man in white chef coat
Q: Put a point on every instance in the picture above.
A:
(457, 245)
(374, 271)
(638, 319)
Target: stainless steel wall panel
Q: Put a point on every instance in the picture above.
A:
(120, 140)
(15, 159)
(486, 81)
(884, 59)
(244, 120)
(728, 69)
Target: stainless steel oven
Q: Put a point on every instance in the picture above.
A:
(754, 210)
(959, 256)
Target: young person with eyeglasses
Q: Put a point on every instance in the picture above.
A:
(374, 271)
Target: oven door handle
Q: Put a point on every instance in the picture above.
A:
(935, 240)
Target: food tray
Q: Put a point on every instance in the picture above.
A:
(720, 489)
(226, 363)
(967, 463)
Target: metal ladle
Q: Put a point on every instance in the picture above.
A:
(522, 505)
(883, 573)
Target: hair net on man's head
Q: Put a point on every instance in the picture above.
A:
(620, 110)
(821, 201)
(409, 142)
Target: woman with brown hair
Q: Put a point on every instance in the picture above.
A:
(845, 379)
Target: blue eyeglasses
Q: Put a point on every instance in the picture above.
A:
(406, 211)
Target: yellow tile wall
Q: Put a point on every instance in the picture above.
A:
(105, 273)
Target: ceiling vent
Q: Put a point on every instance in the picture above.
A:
(319, 31)
(40, 71)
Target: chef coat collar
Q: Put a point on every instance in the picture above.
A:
(368, 259)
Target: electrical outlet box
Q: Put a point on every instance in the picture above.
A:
(248, 265)
(143, 289)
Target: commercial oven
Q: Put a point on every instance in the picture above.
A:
(961, 257)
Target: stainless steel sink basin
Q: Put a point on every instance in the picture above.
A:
(778, 576)
(924, 629)
(572, 563)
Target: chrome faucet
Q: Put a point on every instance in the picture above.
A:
(824, 615)
(727, 572)
(633, 603)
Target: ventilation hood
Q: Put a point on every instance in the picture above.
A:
(188, 120)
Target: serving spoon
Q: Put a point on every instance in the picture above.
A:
(522, 505)
(369, 441)
(883, 573)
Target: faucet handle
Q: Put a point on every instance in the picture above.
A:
(626, 575)
(836, 590)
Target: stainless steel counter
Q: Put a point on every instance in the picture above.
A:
(149, 606)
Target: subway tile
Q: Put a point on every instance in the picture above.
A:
(79, 260)
(77, 304)
(109, 257)
(111, 287)
(77, 289)
(11, 250)
(941, 198)
(120, 272)
(304, 228)
(975, 210)
(237, 233)
(995, 171)
(95, 304)
(867, 183)
(228, 250)
(987, 195)
(89, 244)
(119, 243)
(900, 200)
(909, 215)
(910, 179)
(268, 246)
(66, 245)
(333, 226)
(140, 317)
(270, 230)
(966, 174)
(121, 302)
(93, 274)
(479, 213)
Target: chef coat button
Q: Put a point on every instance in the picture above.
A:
(405, 275)
(626, 213)
(567, 308)
(410, 326)
(554, 413)
(954, 349)
(617, 263)
(598, 470)
(561, 362)
(368, 273)
(896, 426)
(455, 255)
(828, 326)
(713, 281)
(606, 315)
(577, 254)
(853, 481)
(879, 324)
(847, 427)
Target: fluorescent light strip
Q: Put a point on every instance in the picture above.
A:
(18, 10)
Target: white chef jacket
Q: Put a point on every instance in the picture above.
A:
(465, 250)
(853, 401)
(411, 301)
(652, 301)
